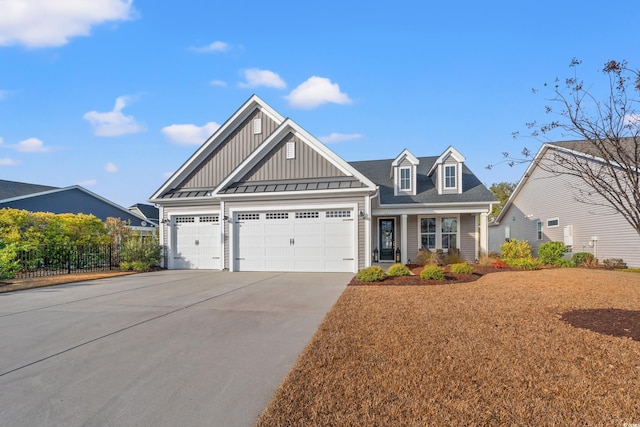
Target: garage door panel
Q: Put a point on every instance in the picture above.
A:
(197, 242)
(312, 240)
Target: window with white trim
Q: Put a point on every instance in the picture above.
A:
(553, 222)
(450, 176)
(428, 232)
(539, 230)
(449, 233)
(438, 232)
(405, 179)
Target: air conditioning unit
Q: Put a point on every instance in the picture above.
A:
(568, 235)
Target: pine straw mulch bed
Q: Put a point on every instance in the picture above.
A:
(548, 347)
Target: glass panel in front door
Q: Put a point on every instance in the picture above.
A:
(386, 239)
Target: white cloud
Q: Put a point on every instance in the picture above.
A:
(110, 167)
(88, 183)
(8, 162)
(335, 138)
(256, 77)
(188, 134)
(216, 46)
(31, 145)
(218, 83)
(316, 91)
(113, 123)
(48, 23)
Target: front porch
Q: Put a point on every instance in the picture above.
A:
(398, 238)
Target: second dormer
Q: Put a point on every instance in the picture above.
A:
(446, 172)
(403, 171)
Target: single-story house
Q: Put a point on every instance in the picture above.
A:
(544, 207)
(74, 199)
(262, 194)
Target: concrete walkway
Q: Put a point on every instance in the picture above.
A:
(173, 348)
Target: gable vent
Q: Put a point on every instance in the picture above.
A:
(291, 150)
(257, 126)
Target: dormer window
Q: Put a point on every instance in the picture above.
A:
(450, 176)
(405, 179)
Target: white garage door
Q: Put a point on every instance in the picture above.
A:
(196, 242)
(310, 240)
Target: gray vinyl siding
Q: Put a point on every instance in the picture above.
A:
(230, 153)
(413, 245)
(308, 163)
(468, 233)
(545, 197)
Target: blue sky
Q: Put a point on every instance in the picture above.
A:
(114, 95)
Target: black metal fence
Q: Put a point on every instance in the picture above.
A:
(50, 260)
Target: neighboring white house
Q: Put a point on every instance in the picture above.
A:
(543, 208)
(262, 194)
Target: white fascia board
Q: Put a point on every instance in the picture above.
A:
(522, 182)
(449, 151)
(217, 138)
(405, 154)
(290, 126)
(434, 210)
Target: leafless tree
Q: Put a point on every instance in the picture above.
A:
(604, 153)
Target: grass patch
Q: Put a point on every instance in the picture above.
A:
(496, 351)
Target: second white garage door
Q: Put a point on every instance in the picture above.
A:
(309, 240)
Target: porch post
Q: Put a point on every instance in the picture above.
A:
(484, 234)
(403, 246)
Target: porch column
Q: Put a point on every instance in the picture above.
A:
(403, 233)
(484, 234)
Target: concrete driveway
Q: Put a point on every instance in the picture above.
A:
(172, 348)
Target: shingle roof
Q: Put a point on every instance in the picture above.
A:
(11, 189)
(379, 171)
(293, 185)
(149, 211)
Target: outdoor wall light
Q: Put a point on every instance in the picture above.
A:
(362, 215)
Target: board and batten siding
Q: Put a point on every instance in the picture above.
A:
(230, 153)
(308, 163)
(545, 197)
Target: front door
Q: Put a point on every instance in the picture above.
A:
(387, 239)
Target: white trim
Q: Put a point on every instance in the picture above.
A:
(455, 176)
(395, 232)
(439, 229)
(404, 245)
(552, 219)
(170, 229)
(285, 207)
(216, 139)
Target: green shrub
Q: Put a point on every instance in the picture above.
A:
(452, 256)
(461, 268)
(432, 272)
(135, 266)
(585, 259)
(551, 252)
(371, 274)
(563, 262)
(515, 249)
(146, 253)
(8, 264)
(398, 270)
(529, 263)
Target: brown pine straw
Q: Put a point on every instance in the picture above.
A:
(491, 352)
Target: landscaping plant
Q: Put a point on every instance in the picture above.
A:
(432, 272)
(398, 270)
(140, 254)
(461, 268)
(8, 264)
(583, 259)
(552, 252)
(371, 274)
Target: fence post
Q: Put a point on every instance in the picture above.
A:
(68, 259)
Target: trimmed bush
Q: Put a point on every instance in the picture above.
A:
(515, 249)
(551, 252)
(585, 259)
(398, 270)
(461, 268)
(432, 272)
(8, 264)
(371, 274)
(528, 263)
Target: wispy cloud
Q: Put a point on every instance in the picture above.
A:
(111, 168)
(335, 138)
(88, 183)
(214, 47)
(316, 91)
(189, 134)
(8, 162)
(256, 77)
(219, 83)
(113, 123)
(46, 23)
(32, 145)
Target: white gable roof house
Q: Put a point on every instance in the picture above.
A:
(544, 207)
(262, 194)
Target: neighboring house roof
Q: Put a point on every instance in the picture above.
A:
(150, 212)
(10, 189)
(73, 199)
(378, 172)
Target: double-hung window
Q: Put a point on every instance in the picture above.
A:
(405, 179)
(450, 176)
(439, 233)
